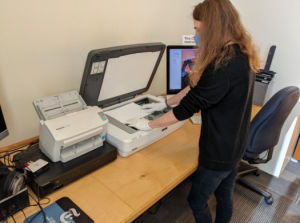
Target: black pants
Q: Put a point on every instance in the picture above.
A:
(207, 182)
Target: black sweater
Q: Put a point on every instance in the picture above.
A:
(224, 97)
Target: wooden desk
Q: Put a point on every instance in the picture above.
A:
(297, 151)
(124, 189)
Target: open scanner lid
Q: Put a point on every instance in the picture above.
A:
(113, 75)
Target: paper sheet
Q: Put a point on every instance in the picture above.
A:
(127, 112)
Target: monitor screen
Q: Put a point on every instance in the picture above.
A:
(180, 61)
(3, 129)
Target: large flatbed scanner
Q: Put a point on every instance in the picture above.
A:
(114, 79)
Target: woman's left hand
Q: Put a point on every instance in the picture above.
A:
(141, 124)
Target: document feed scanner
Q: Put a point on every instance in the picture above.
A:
(68, 128)
(114, 79)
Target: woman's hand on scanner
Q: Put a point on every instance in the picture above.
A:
(154, 107)
(141, 124)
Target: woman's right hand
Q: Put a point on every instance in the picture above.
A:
(154, 107)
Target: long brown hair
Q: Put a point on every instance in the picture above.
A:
(221, 24)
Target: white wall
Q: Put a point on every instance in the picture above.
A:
(275, 22)
(44, 45)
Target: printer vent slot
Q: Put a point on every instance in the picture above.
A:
(52, 109)
(71, 104)
(59, 105)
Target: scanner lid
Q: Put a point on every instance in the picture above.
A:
(59, 105)
(113, 75)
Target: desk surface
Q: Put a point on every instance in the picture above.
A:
(124, 189)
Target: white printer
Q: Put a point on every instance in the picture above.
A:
(114, 79)
(68, 128)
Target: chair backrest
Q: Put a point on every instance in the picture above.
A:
(266, 126)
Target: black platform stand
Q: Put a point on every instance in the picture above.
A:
(61, 174)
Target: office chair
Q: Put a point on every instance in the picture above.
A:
(264, 134)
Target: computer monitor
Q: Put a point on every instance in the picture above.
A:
(180, 60)
(3, 128)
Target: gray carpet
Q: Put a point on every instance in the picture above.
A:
(248, 206)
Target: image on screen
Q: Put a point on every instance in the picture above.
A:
(180, 64)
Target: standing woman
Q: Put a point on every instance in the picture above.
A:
(221, 86)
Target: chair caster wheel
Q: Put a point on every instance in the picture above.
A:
(269, 200)
(257, 173)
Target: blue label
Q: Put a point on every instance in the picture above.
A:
(62, 211)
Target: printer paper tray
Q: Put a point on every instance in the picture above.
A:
(80, 148)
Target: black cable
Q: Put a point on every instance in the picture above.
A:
(41, 211)
(38, 204)
(5, 220)
(7, 217)
(267, 153)
(33, 205)
(7, 158)
(24, 215)
(7, 154)
(35, 216)
(16, 149)
(12, 152)
(13, 219)
(38, 200)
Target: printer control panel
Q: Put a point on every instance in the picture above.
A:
(102, 116)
